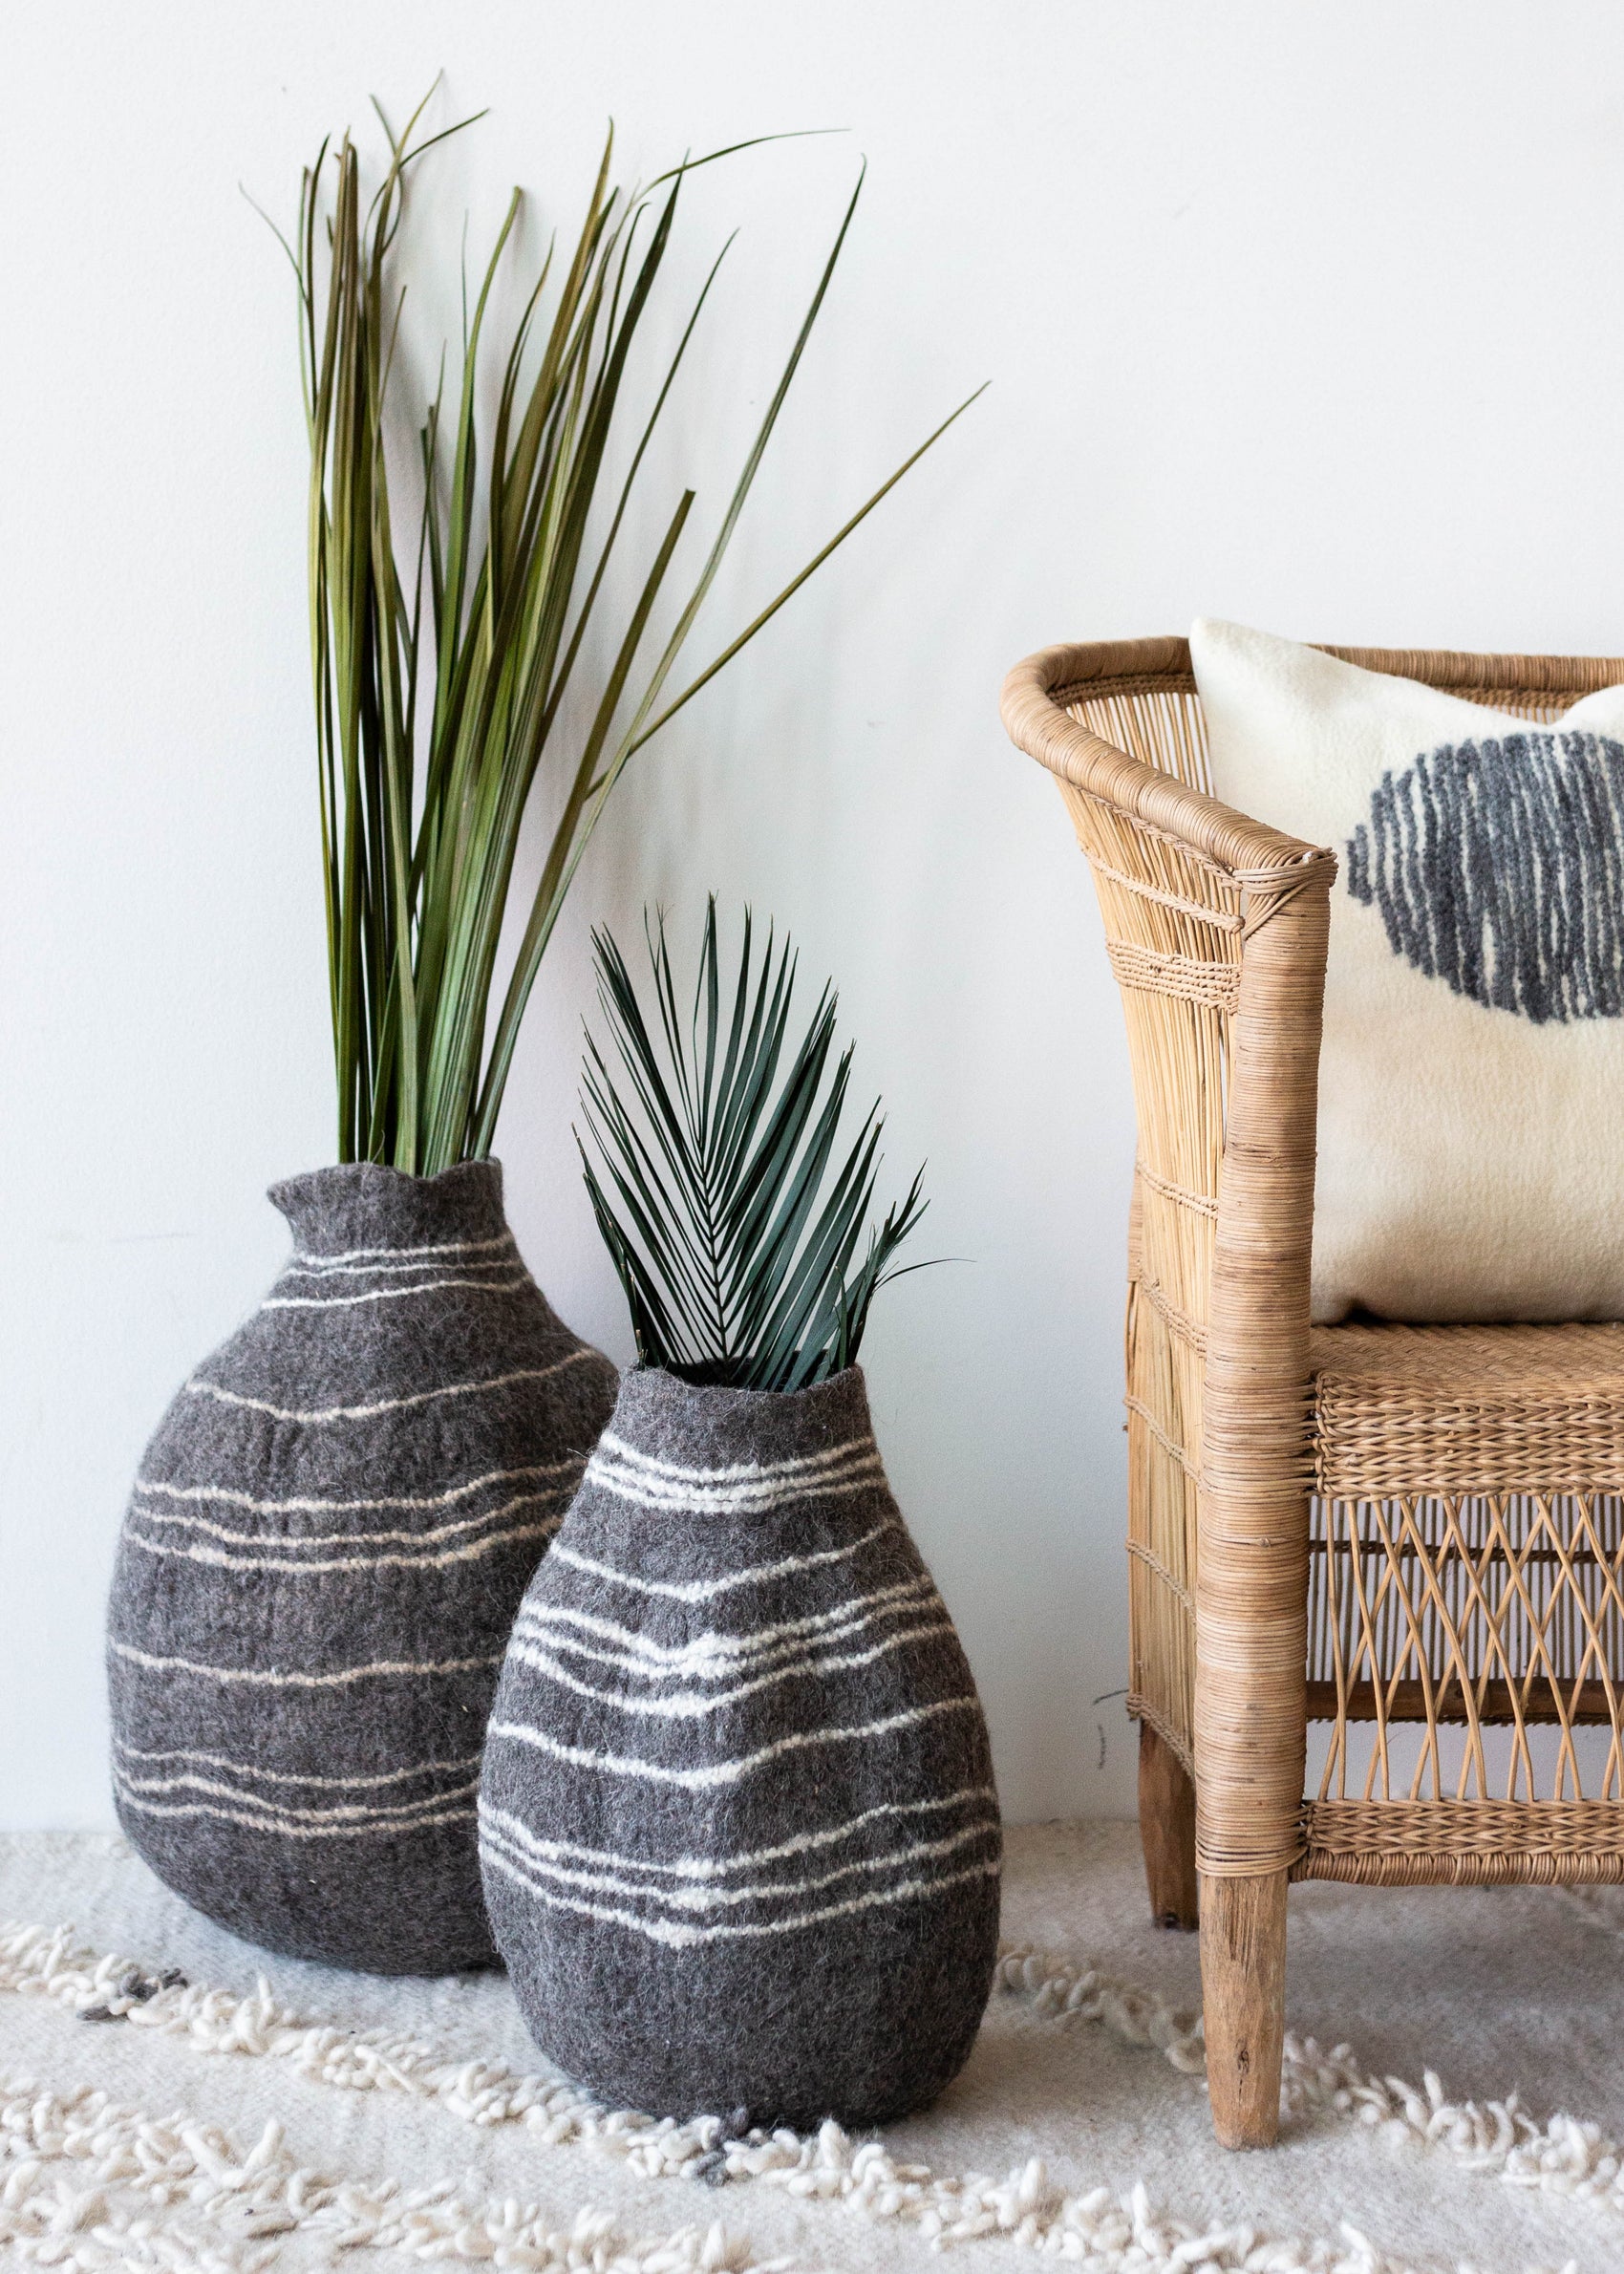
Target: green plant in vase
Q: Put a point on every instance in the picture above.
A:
(519, 541)
(734, 1668)
(336, 1520)
(737, 1251)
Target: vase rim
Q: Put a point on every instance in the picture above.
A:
(356, 1205)
(710, 1430)
(381, 1176)
(652, 1396)
(666, 1383)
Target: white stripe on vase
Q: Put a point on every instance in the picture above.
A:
(711, 1656)
(690, 1705)
(799, 1843)
(292, 1828)
(746, 1476)
(306, 1507)
(454, 1247)
(859, 1473)
(220, 1559)
(325, 1273)
(570, 1470)
(397, 1812)
(271, 1678)
(721, 1772)
(700, 1591)
(284, 1776)
(684, 1938)
(496, 1832)
(388, 1294)
(734, 1501)
(316, 1267)
(738, 1472)
(200, 1387)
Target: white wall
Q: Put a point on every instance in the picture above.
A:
(1307, 317)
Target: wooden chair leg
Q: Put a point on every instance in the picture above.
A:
(1167, 1830)
(1243, 1986)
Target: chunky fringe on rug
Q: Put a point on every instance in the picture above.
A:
(192, 2174)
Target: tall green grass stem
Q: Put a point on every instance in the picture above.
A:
(441, 665)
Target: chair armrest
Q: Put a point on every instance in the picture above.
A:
(1217, 928)
(1034, 710)
(1189, 889)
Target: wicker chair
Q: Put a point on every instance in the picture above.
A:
(1411, 1533)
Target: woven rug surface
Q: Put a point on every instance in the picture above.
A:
(1454, 2086)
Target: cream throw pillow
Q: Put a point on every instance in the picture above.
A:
(1471, 1083)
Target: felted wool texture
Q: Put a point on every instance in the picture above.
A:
(738, 1821)
(322, 1553)
(1471, 1146)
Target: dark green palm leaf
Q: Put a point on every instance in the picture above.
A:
(713, 1190)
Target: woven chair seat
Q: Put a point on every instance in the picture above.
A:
(1401, 1412)
(1468, 1541)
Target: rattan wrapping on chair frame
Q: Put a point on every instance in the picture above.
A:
(1463, 1570)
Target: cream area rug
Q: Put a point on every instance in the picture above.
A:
(171, 2098)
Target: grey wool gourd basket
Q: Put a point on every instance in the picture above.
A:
(323, 1554)
(738, 1822)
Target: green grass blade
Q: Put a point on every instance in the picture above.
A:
(766, 615)
(514, 563)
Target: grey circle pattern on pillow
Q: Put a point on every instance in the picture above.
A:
(1499, 868)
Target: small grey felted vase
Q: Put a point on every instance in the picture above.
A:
(737, 1817)
(323, 1554)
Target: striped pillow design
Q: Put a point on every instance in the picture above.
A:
(319, 1565)
(738, 1822)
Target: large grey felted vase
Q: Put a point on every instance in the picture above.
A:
(323, 1554)
(737, 1817)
